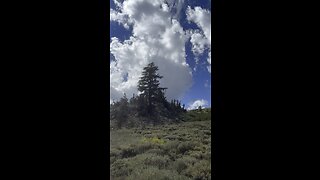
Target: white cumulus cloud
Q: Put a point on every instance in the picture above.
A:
(121, 18)
(156, 37)
(201, 40)
(195, 104)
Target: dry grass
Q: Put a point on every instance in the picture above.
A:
(176, 151)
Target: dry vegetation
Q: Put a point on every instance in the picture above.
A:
(164, 152)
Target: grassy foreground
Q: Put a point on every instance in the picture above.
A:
(175, 151)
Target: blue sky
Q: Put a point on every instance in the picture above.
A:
(131, 36)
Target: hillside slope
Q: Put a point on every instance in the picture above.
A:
(171, 151)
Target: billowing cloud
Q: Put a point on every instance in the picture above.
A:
(200, 39)
(120, 18)
(202, 18)
(175, 7)
(156, 37)
(197, 103)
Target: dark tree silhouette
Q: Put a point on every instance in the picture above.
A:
(150, 105)
(148, 85)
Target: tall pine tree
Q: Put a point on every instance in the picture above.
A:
(149, 87)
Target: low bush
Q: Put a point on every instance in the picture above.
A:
(172, 137)
(153, 173)
(171, 146)
(207, 132)
(185, 146)
(201, 170)
(115, 152)
(196, 154)
(120, 168)
(188, 160)
(157, 161)
(180, 165)
(156, 151)
(128, 152)
(112, 159)
(153, 140)
(143, 147)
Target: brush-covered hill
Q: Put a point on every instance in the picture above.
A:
(171, 151)
(198, 115)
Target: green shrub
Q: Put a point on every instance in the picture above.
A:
(112, 159)
(153, 173)
(172, 128)
(146, 132)
(141, 148)
(180, 165)
(198, 148)
(148, 135)
(172, 137)
(207, 132)
(115, 152)
(120, 168)
(160, 135)
(171, 146)
(156, 151)
(206, 141)
(197, 154)
(157, 161)
(201, 170)
(153, 140)
(184, 147)
(188, 160)
(207, 156)
(137, 161)
(128, 152)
